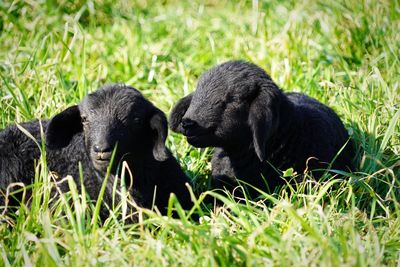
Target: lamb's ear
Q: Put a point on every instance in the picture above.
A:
(178, 112)
(158, 123)
(261, 121)
(63, 127)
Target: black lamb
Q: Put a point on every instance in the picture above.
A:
(113, 116)
(258, 130)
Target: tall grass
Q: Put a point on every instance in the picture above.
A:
(346, 54)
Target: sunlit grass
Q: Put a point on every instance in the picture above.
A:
(346, 54)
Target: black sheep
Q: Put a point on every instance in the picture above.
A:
(257, 129)
(115, 115)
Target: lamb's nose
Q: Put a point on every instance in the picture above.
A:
(104, 147)
(188, 123)
(102, 152)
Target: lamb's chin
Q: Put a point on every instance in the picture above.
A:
(101, 165)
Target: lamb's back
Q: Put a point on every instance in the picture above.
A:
(318, 132)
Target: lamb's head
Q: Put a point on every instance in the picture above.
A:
(113, 116)
(234, 104)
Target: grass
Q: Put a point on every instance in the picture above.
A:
(344, 53)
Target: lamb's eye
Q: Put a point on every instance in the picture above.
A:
(137, 120)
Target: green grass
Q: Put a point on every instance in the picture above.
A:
(346, 54)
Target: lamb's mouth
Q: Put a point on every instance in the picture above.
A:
(197, 140)
(101, 160)
(199, 136)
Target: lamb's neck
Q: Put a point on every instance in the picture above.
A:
(243, 155)
(286, 134)
(142, 166)
(287, 116)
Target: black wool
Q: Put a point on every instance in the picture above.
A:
(113, 116)
(258, 129)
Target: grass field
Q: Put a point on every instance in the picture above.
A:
(345, 54)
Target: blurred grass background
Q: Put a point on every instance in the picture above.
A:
(344, 53)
